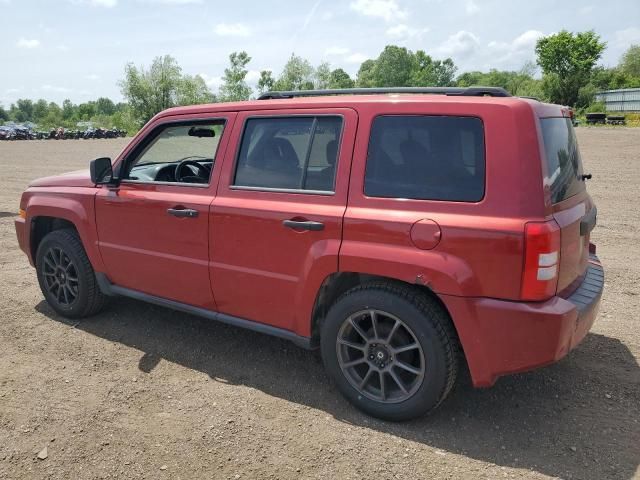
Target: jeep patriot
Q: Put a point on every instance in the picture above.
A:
(406, 233)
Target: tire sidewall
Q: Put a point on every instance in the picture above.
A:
(434, 382)
(56, 239)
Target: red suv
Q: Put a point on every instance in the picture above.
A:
(404, 232)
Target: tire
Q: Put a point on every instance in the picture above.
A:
(424, 332)
(61, 258)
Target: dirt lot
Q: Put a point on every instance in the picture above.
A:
(140, 391)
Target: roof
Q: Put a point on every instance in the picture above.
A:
(342, 101)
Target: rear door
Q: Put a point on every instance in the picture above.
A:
(565, 188)
(276, 223)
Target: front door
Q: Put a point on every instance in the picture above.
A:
(153, 229)
(276, 222)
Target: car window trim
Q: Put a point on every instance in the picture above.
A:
(232, 179)
(153, 134)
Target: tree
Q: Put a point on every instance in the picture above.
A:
(322, 76)
(105, 106)
(4, 115)
(194, 91)
(266, 82)
(630, 63)
(162, 86)
(234, 87)
(427, 72)
(394, 67)
(365, 77)
(340, 79)
(297, 74)
(567, 60)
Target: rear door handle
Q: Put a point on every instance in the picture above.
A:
(303, 225)
(182, 212)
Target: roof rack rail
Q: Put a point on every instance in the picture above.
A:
(453, 91)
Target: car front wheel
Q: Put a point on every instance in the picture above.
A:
(66, 277)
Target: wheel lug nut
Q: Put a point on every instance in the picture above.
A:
(370, 357)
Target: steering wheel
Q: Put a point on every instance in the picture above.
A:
(201, 177)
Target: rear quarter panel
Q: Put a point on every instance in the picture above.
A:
(480, 251)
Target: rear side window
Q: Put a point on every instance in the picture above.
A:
(426, 158)
(564, 166)
(292, 153)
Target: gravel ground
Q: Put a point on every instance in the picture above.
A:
(143, 392)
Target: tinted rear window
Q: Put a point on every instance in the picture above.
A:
(564, 166)
(426, 158)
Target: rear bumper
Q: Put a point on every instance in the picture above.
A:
(501, 337)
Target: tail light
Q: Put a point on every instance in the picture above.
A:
(541, 260)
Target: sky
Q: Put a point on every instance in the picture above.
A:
(77, 49)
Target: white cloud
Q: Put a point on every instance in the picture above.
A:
(92, 76)
(232, 30)
(28, 43)
(252, 77)
(96, 3)
(389, 10)
(461, 44)
(172, 2)
(519, 50)
(586, 10)
(627, 37)
(356, 58)
(62, 47)
(213, 82)
(52, 88)
(471, 7)
(13, 90)
(336, 51)
(326, 16)
(402, 31)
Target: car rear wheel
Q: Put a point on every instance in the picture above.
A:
(391, 350)
(66, 277)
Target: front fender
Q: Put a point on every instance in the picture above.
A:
(75, 205)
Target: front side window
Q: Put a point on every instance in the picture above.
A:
(291, 153)
(182, 153)
(426, 158)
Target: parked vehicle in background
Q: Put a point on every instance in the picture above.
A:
(7, 133)
(406, 233)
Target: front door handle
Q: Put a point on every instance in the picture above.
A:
(182, 212)
(303, 225)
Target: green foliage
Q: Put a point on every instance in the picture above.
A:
(596, 107)
(567, 60)
(4, 115)
(234, 87)
(521, 83)
(630, 63)
(148, 92)
(340, 79)
(297, 74)
(400, 67)
(427, 72)
(266, 81)
(322, 76)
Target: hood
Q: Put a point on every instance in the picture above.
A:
(79, 178)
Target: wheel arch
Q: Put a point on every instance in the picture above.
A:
(47, 213)
(338, 283)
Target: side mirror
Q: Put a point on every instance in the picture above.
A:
(101, 171)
